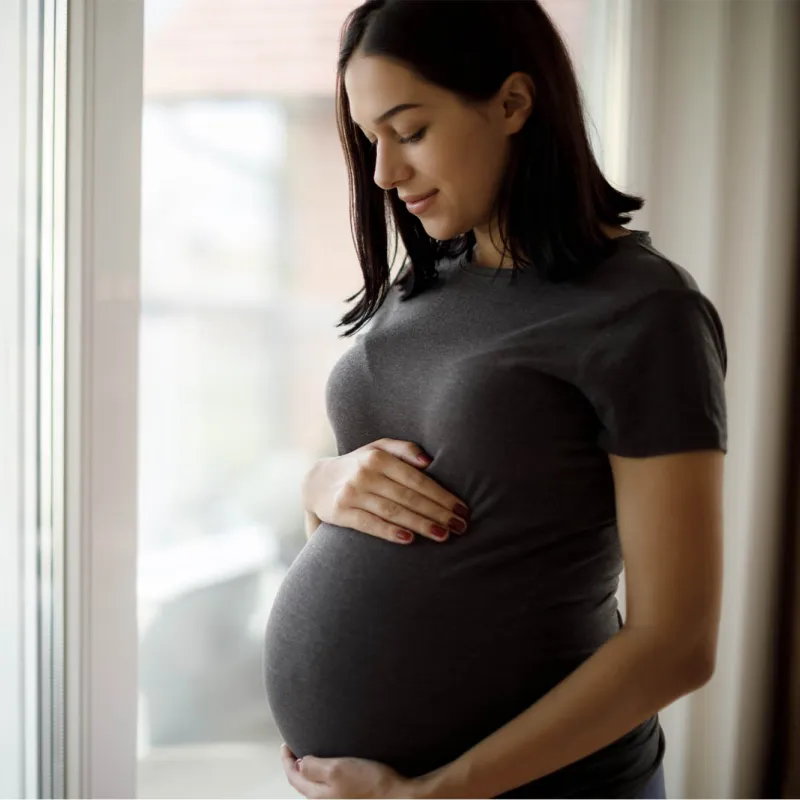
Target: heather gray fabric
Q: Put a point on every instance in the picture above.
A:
(411, 654)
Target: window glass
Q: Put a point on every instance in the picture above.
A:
(246, 260)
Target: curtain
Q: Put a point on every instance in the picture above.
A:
(713, 98)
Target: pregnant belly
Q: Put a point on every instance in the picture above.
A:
(410, 655)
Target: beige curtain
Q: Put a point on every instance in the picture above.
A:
(711, 92)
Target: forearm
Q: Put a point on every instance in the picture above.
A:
(620, 686)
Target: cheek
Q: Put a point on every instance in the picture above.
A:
(465, 171)
(475, 172)
(487, 171)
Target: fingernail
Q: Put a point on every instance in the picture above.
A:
(298, 763)
(462, 511)
(457, 525)
(424, 459)
(439, 532)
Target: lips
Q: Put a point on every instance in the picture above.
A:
(415, 198)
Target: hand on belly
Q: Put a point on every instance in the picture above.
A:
(342, 777)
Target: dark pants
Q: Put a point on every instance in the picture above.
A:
(655, 789)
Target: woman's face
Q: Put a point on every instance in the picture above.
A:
(438, 145)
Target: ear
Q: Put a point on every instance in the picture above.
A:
(517, 96)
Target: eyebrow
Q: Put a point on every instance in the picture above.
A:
(387, 115)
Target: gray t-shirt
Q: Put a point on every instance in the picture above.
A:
(412, 654)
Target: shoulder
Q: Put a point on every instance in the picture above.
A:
(654, 362)
(636, 270)
(638, 286)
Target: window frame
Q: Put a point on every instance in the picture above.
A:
(98, 336)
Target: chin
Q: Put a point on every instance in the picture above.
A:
(441, 229)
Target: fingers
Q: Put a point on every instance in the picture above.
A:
(297, 775)
(407, 451)
(402, 529)
(420, 483)
(365, 522)
(386, 497)
(377, 463)
(316, 769)
(287, 756)
(403, 508)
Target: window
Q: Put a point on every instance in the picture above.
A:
(246, 261)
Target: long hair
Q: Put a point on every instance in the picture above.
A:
(553, 196)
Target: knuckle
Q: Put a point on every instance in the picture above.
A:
(390, 509)
(408, 497)
(344, 496)
(416, 479)
(363, 470)
(373, 459)
(366, 524)
(360, 473)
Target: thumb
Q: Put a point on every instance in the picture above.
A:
(312, 768)
(410, 452)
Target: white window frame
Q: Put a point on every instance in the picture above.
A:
(99, 328)
(20, 91)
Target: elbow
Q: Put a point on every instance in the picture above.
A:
(700, 665)
(686, 665)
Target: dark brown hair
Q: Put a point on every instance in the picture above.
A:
(553, 197)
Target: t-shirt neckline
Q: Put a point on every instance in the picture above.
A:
(466, 265)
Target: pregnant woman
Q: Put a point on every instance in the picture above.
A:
(450, 629)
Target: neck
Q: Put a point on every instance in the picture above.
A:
(494, 259)
(491, 257)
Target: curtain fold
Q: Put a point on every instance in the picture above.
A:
(713, 132)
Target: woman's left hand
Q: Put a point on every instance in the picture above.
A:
(343, 777)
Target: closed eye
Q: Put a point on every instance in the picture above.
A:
(418, 136)
(413, 139)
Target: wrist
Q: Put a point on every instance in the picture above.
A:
(449, 781)
(306, 488)
(312, 522)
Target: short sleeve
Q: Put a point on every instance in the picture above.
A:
(655, 377)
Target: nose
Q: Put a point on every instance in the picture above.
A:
(390, 167)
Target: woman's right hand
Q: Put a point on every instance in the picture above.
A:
(379, 490)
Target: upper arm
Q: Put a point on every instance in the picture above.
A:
(669, 516)
(655, 377)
